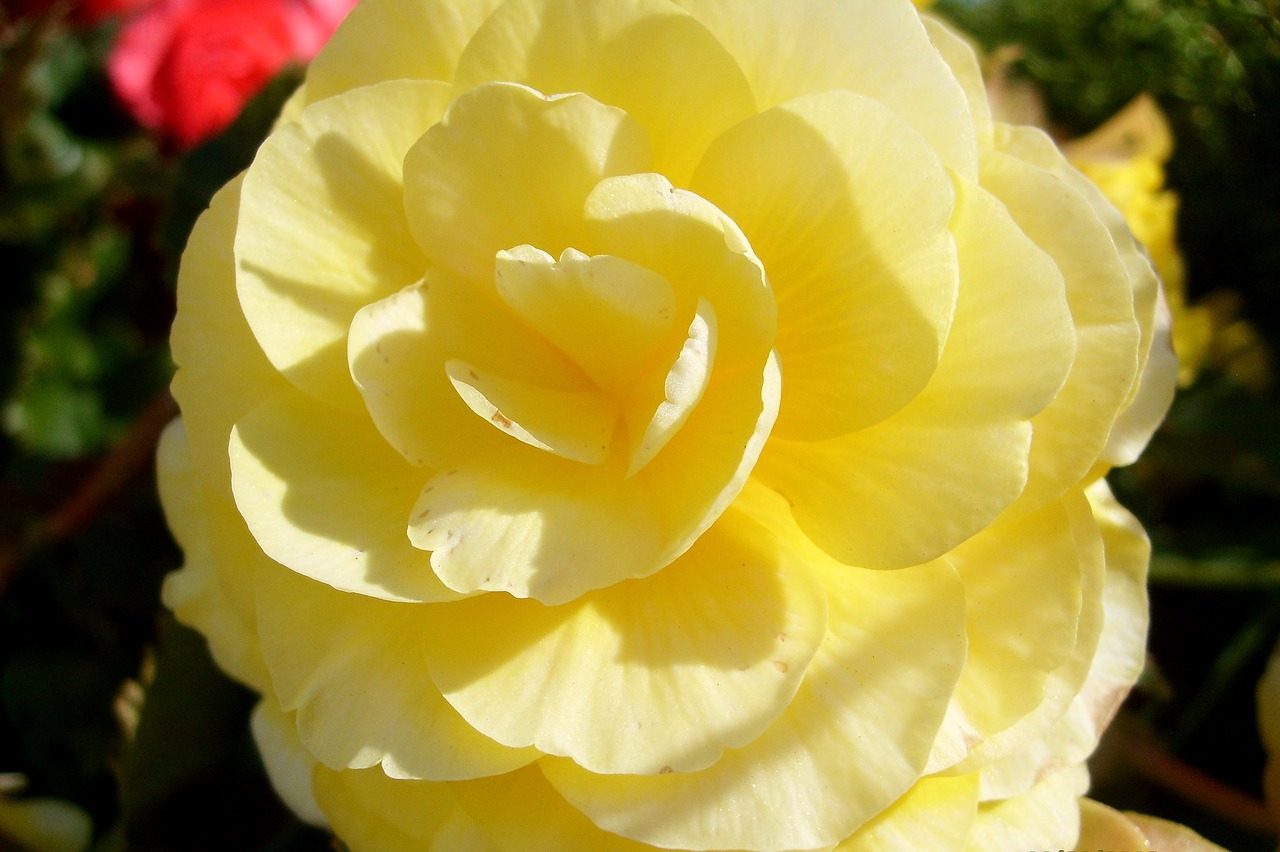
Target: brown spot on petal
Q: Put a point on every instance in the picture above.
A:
(501, 419)
(666, 770)
(780, 666)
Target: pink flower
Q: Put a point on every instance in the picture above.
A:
(185, 68)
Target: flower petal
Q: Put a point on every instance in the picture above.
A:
(698, 658)
(322, 230)
(1149, 398)
(1114, 666)
(395, 40)
(960, 447)
(847, 207)
(398, 349)
(791, 49)
(1023, 587)
(1016, 757)
(530, 524)
(520, 811)
(208, 593)
(289, 765)
(325, 496)
(1048, 816)
(508, 166)
(352, 669)
(212, 343)
(605, 313)
(645, 57)
(854, 738)
(573, 424)
(368, 811)
(936, 813)
(1072, 431)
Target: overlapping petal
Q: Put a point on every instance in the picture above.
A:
(349, 666)
(699, 658)
(322, 229)
(854, 738)
(648, 58)
(340, 522)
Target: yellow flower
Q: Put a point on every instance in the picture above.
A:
(1104, 827)
(40, 824)
(1126, 158)
(625, 424)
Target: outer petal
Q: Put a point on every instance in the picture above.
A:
(325, 496)
(212, 343)
(644, 56)
(352, 668)
(1169, 836)
(391, 40)
(870, 47)
(1046, 817)
(1138, 422)
(848, 209)
(1010, 758)
(289, 765)
(699, 658)
(853, 740)
(1105, 827)
(1115, 666)
(520, 811)
(369, 811)
(962, 58)
(936, 813)
(1023, 586)
(1151, 397)
(322, 227)
(196, 593)
(1072, 432)
(960, 447)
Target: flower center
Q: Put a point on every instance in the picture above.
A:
(643, 373)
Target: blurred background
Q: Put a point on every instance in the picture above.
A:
(118, 120)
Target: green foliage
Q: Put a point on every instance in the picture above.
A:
(93, 218)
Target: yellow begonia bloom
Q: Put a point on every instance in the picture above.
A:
(610, 425)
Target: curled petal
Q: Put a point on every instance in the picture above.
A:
(322, 230)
